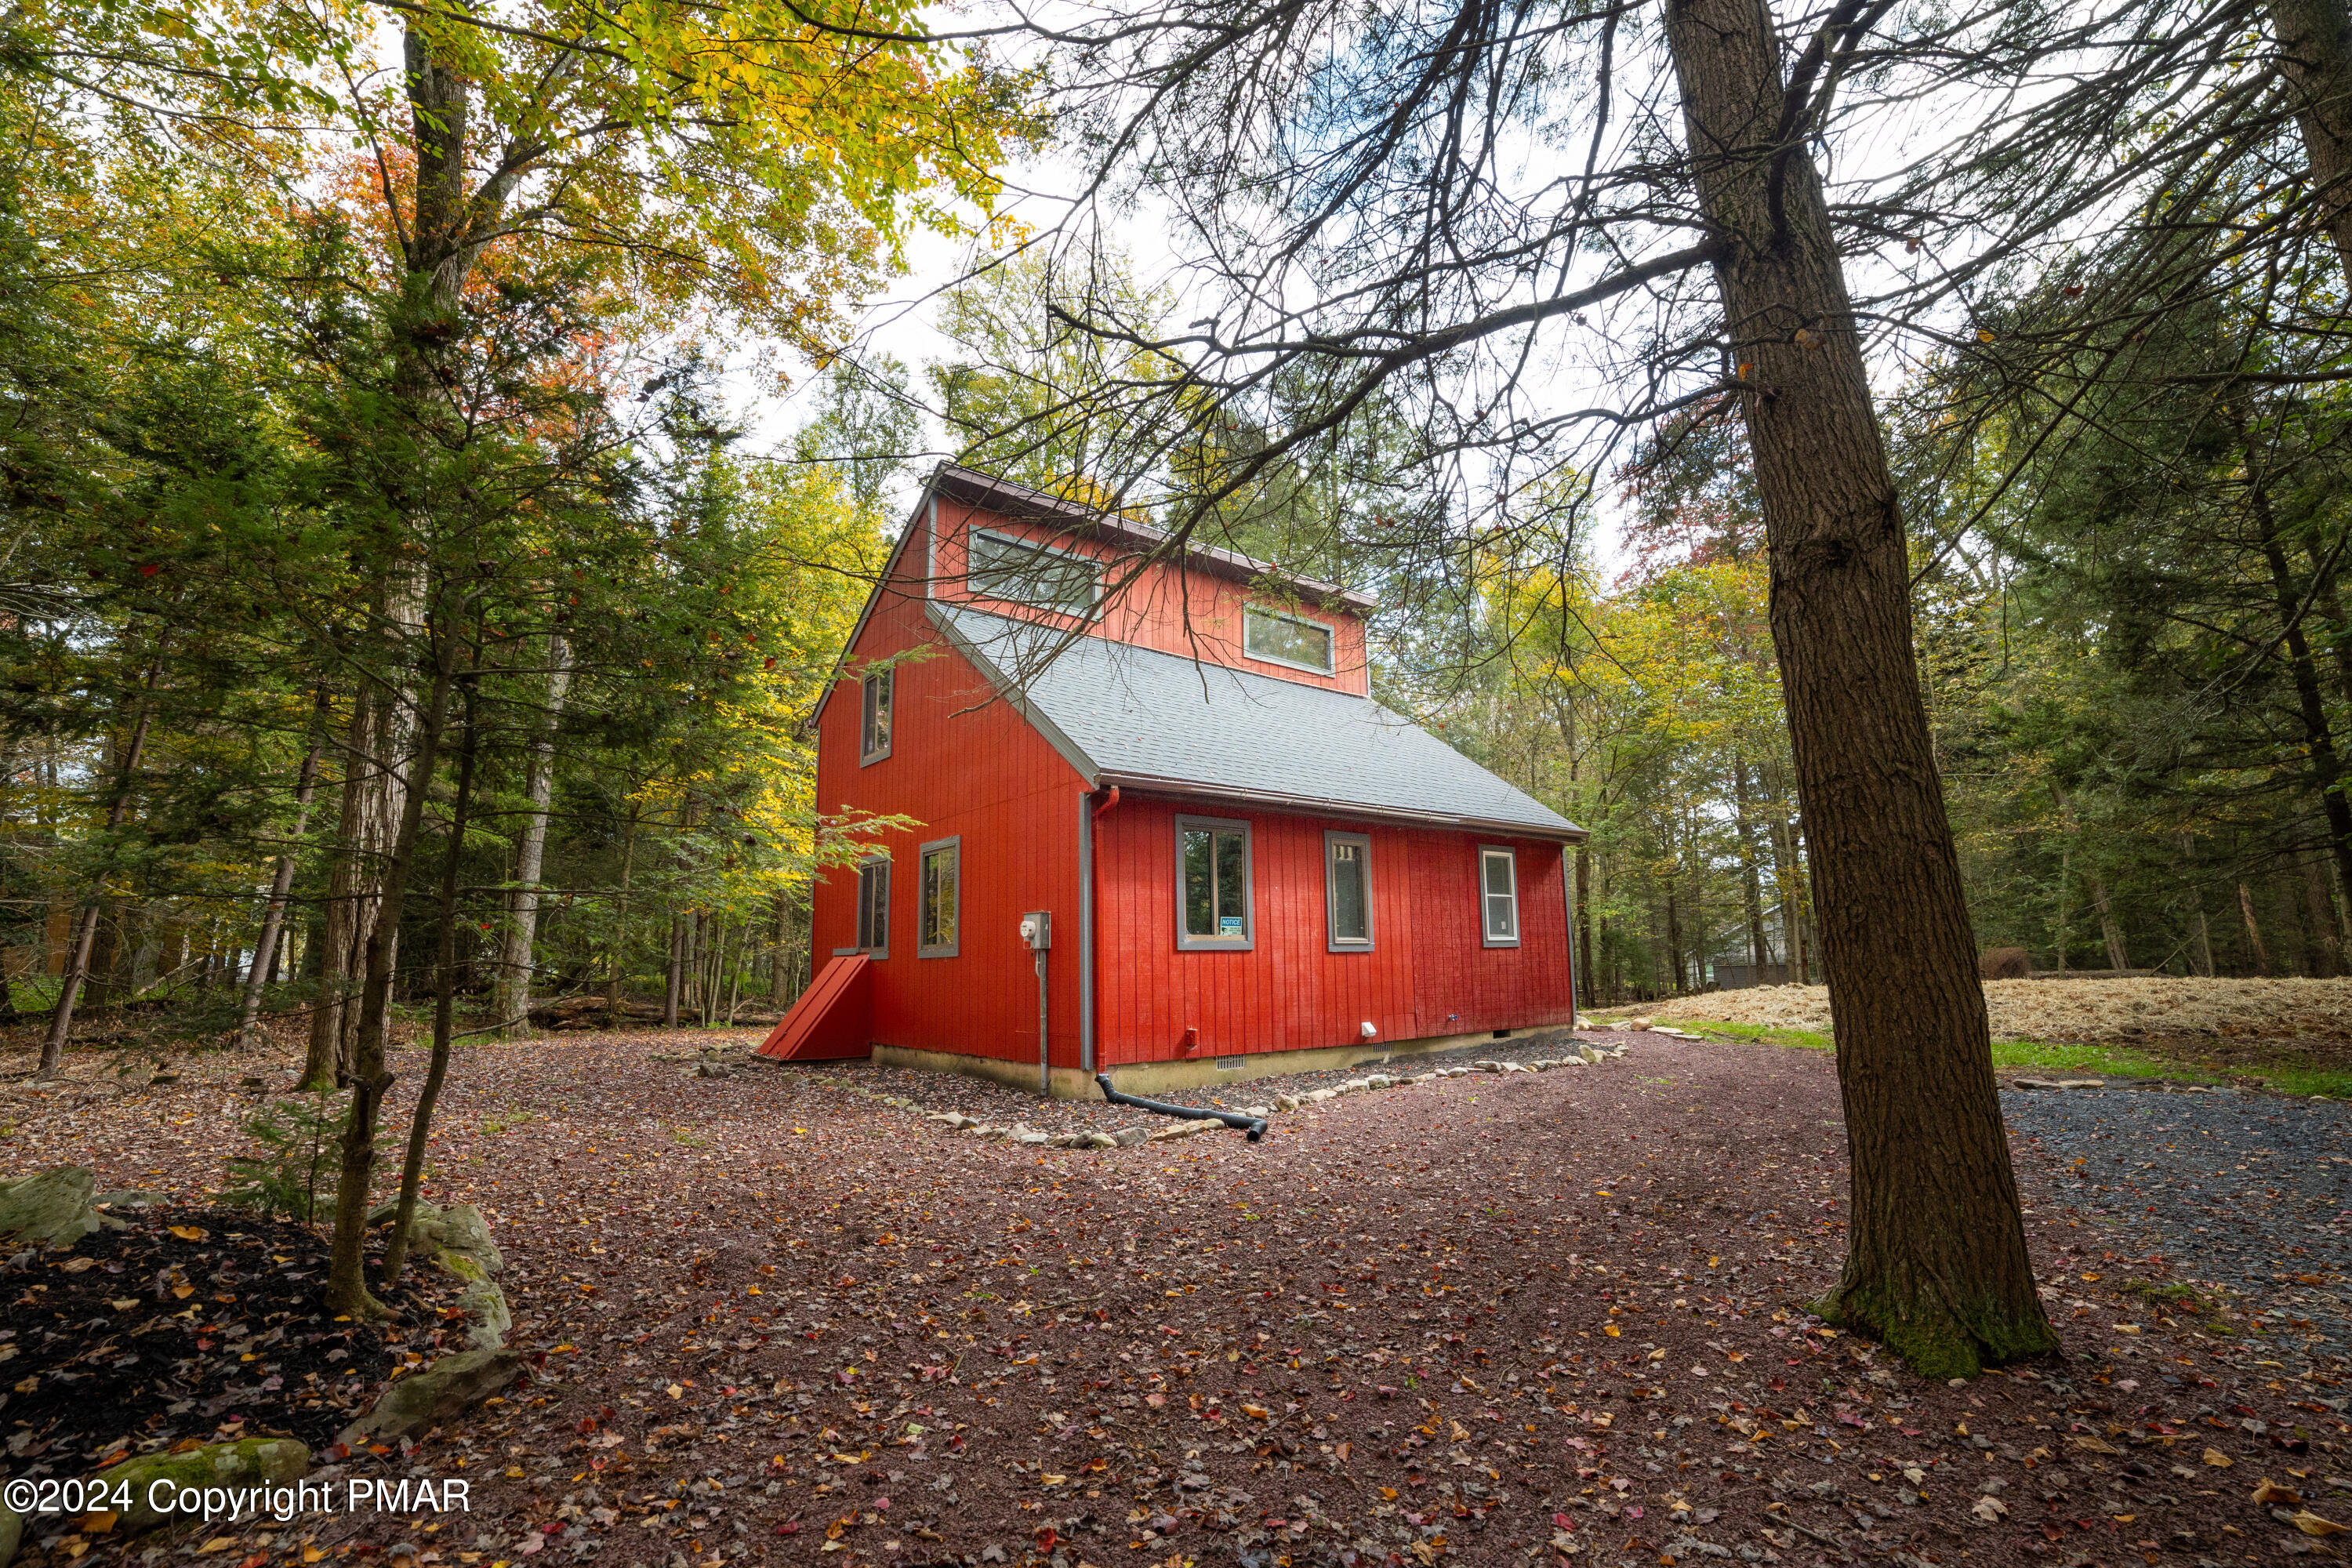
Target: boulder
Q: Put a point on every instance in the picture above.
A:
(439, 1394)
(1128, 1137)
(1486, 1066)
(248, 1462)
(51, 1208)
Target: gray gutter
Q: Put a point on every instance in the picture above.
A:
(1193, 789)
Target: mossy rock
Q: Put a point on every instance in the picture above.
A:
(447, 1389)
(248, 1462)
(51, 1208)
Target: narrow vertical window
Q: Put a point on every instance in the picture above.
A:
(940, 899)
(1498, 896)
(874, 907)
(1347, 891)
(1212, 883)
(874, 739)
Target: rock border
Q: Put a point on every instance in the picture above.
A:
(458, 1239)
(1020, 1135)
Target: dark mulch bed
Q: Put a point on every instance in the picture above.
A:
(777, 1317)
(196, 1323)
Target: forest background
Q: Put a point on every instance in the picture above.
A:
(269, 502)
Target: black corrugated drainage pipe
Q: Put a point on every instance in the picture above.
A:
(1253, 1125)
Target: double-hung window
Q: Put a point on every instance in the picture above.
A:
(1498, 896)
(1213, 884)
(1002, 567)
(940, 903)
(1293, 641)
(874, 907)
(1347, 891)
(874, 731)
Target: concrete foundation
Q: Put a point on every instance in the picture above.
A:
(1149, 1078)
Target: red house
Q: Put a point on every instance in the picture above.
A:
(1165, 829)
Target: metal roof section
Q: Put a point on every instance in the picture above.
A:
(1156, 721)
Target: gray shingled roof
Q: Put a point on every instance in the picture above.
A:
(1145, 719)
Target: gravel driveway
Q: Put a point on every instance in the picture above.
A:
(2249, 1192)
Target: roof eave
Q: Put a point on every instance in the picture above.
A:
(1190, 789)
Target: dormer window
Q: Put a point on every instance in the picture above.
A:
(1002, 567)
(1292, 640)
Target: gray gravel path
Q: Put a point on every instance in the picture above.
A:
(2249, 1192)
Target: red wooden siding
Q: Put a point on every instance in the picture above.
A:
(1191, 614)
(986, 775)
(1428, 972)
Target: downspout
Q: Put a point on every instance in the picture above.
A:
(1567, 898)
(1090, 824)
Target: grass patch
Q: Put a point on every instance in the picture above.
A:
(2063, 1058)
(1756, 1034)
(2090, 1061)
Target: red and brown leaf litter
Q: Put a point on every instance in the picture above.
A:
(1535, 1318)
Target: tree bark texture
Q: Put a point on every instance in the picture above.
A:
(1936, 1263)
(2313, 39)
(511, 1007)
(273, 921)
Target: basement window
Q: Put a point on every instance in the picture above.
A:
(1498, 895)
(1347, 891)
(1213, 884)
(874, 907)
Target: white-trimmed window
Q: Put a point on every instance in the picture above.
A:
(1498, 895)
(874, 727)
(1347, 891)
(939, 901)
(874, 907)
(1002, 567)
(1293, 641)
(1213, 884)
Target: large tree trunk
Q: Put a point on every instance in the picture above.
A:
(511, 1007)
(2314, 39)
(1936, 1263)
(346, 1283)
(273, 922)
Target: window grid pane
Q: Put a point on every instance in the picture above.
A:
(1498, 874)
(1200, 890)
(1232, 912)
(1279, 637)
(1030, 575)
(1348, 903)
(940, 899)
